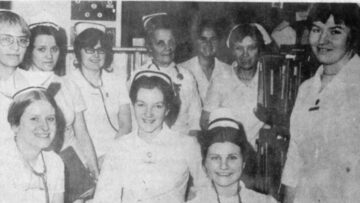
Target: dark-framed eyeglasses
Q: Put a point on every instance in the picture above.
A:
(7, 40)
(89, 50)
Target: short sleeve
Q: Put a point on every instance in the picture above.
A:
(123, 92)
(75, 95)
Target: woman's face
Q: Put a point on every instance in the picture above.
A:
(207, 43)
(329, 41)
(246, 53)
(224, 163)
(162, 47)
(13, 44)
(45, 53)
(37, 126)
(93, 58)
(150, 110)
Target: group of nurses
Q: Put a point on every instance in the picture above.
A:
(44, 60)
(161, 44)
(236, 87)
(28, 125)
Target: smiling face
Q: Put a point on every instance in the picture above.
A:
(150, 110)
(162, 47)
(93, 61)
(207, 43)
(37, 125)
(12, 55)
(329, 41)
(224, 164)
(246, 53)
(45, 53)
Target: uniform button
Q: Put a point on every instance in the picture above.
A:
(149, 154)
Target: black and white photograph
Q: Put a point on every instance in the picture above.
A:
(192, 101)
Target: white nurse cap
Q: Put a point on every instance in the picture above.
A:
(82, 26)
(147, 18)
(222, 117)
(43, 19)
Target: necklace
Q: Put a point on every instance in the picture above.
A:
(217, 193)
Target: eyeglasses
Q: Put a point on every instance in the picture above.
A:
(92, 50)
(7, 40)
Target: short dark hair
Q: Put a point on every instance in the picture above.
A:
(347, 13)
(89, 38)
(60, 39)
(225, 134)
(244, 30)
(172, 101)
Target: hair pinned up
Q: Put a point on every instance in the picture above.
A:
(148, 79)
(150, 73)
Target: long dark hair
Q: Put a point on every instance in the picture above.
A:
(60, 39)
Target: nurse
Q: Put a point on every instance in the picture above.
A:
(324, 157)
(161, 44)
(45, 61)
(225, 150)
(237, 87)
(29, 172)
(151, 164)
(14, 39)
(108, 105)
(205, 66)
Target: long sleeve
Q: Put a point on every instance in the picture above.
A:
(194, 160)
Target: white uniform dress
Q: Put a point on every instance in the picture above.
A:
(114, 95)
(324, 154)
(157, 172)
(18, 184)
(190, 110)
(8, 88)
(193, 66)
(208, 195)
(227, 91)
